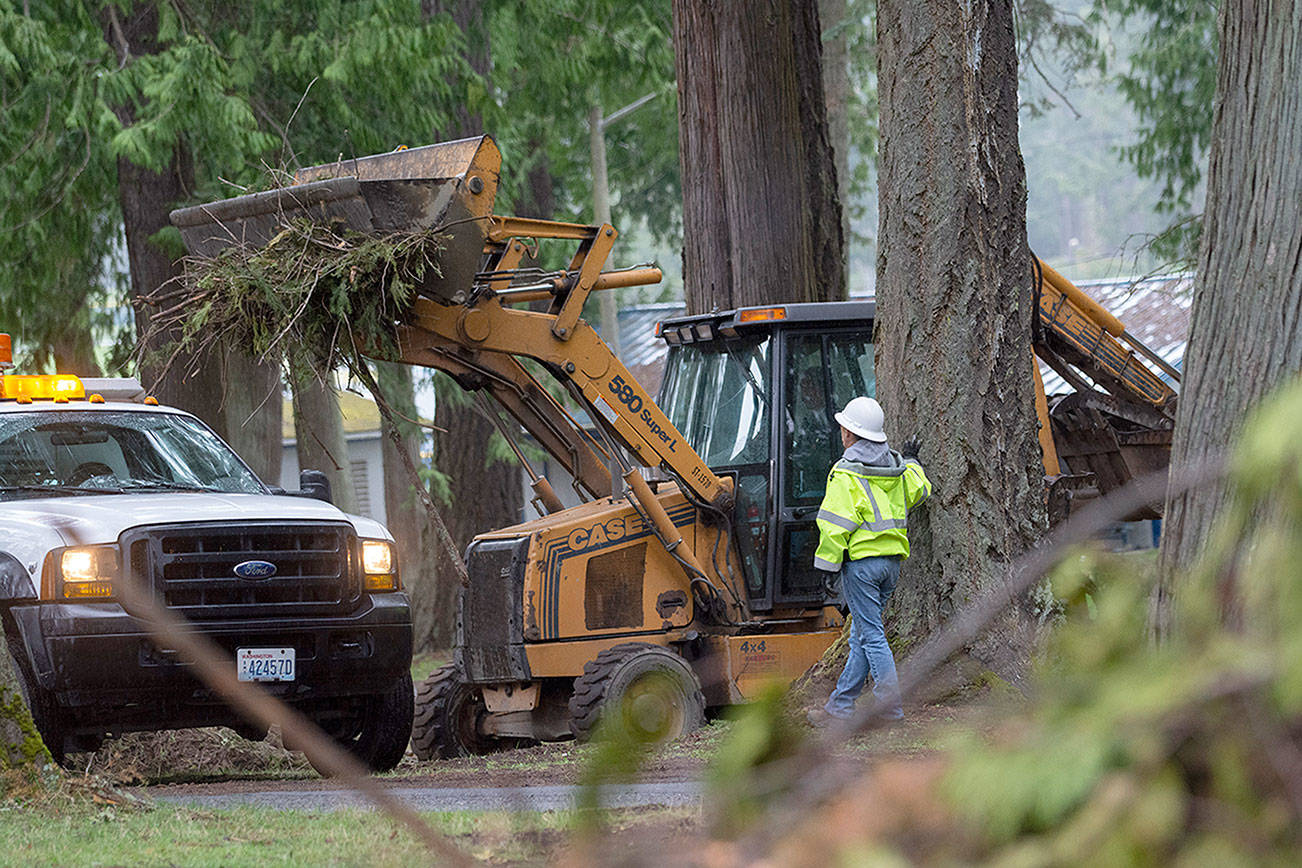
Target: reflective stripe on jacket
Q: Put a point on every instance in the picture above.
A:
(865, 510)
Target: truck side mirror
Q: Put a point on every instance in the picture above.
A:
(316, 484)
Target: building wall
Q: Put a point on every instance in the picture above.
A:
(367, 464)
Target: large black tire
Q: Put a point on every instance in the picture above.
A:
(448, 712)
(50, 719)
(655, 693)
(379, 737)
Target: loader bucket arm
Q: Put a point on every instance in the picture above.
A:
(450, 188)
(521, 395)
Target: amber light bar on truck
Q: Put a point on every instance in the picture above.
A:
(41, 387)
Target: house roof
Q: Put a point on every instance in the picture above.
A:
(1155, 310)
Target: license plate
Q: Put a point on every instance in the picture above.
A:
(264, 664)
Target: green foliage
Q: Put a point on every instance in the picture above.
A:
(228, 90)
(1136, 753)
(54, 238)
(1170, 81)
(1054, 44)
(551, 64)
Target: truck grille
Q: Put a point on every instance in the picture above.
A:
(191, 567)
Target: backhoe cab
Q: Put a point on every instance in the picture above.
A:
(685, 579)
(753, 391)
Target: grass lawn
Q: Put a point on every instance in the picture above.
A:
(88, 834)
(426, 662)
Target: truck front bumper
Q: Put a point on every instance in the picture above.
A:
(103, 666)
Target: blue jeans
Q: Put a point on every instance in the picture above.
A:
(867, 584)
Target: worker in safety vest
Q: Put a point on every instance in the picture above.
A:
(863, 533)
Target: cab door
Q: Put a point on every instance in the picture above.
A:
(819, 372)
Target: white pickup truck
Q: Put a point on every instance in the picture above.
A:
(99, 482)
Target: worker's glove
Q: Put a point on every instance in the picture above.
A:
(910, 448)
(831, 585)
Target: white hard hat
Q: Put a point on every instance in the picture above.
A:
(863, 417)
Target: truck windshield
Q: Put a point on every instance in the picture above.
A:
(718, 396)
(111, 452)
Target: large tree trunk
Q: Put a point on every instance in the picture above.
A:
(147, 197)
(954, 306)
(319, 435)
(834, 17)
(20, 743)
(538, 198)
(432, 601)
(193, 383)
(72, 341)
(1246, 336)
(482, 494)
(761, 217)
(253, 411)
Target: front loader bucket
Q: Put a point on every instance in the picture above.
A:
(450, 186)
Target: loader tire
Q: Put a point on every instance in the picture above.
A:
(448, 711)
(655, 693)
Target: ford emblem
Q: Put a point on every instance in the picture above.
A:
(255, 570)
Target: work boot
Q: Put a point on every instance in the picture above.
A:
(820, 718)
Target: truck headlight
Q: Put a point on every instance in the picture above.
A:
(379, 565)
(87, 571)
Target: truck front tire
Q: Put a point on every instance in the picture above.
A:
(380, 737)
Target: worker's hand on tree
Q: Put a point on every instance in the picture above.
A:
(911, 447)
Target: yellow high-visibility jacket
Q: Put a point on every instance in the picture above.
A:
(865, 510)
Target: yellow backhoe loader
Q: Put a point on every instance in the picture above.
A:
(685, 579)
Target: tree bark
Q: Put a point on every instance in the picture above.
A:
(954, 307)
(761, 216)
(468, 15)
(20, 742)
(253, 413)
(1246, 334)
(193, 383)
(834, 18)
(432, 601)
(538, 198)
(71, 345)
(482, 494)
(319, 432)
(147, 197)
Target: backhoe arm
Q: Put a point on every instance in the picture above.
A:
(1076, 329)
